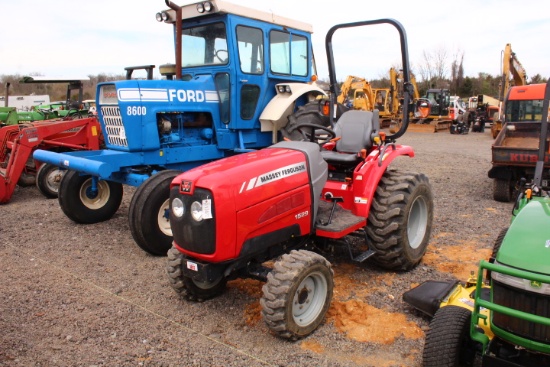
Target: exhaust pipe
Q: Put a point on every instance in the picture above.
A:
(178, 11)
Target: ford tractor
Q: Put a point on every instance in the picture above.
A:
(238, 76)
(501, 317)
(286, 204)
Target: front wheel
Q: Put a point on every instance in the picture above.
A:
(187, 288)
(149, 214)
(48, 179)
(400, 220)
(448, 342)
(81, 204)
(297, 294)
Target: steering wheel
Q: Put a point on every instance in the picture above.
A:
(222, 60)
(316, 132)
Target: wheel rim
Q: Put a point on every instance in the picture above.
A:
(53, 179)
(417, 223)
(163, 218)
(97, 201)
(309, 299)
(206, 284)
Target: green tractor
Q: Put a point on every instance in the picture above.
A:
(69, 109)
(501, 317)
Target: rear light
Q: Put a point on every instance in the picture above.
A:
(326, 108)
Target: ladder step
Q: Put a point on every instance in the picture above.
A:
(364, 256)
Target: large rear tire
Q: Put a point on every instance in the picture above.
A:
(149, 214)
(79, 203)
(448, 342)
(400, 220)
(48, 179)
(297, 294)
(186, 287)
(502, 190)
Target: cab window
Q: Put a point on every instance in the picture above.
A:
(288, 53)
(251, 50)
(204, 45)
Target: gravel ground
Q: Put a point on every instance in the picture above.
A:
(86, 295)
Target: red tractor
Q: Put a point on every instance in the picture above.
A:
(288, 201)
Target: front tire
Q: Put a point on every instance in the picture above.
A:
(297, 294)
(81, 205)
(448, 342)
(186, 287)
(400, 220)
(48, 179)
(149, 214)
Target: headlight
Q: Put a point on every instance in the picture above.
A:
(177, 207)
(196, 211)
(519, 283)
(162, 16)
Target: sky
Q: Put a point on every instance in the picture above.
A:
(75, 38)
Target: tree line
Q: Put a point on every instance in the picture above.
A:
(437, 70)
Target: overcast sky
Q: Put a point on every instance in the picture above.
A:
(79, 38)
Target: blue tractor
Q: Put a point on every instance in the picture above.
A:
(239, 76)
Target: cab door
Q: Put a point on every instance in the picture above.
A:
(251, 76)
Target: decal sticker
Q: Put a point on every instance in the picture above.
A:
(359, 200)
(207, 209)
(273, 176)
(192, 266)
(32, 135)
(302, 214)
(186, 186)
(166, 95)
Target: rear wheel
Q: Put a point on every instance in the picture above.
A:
(297, 294)
(187, 288)
(149, 214)
(502, 190)
(448, 342)
(400, 220)
(311, 114)
(48, 179)
(82, 205)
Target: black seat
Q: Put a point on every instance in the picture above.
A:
(356, 130)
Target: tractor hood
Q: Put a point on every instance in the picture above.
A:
(527, 242)
(247, 179)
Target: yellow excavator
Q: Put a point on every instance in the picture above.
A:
(513, 74)
(362, 94)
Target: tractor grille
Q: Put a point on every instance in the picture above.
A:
(116, 135)
(198, 237)
(521, 300)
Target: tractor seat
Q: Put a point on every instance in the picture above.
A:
(356, 130)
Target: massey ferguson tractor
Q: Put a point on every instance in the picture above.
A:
(238, 76)
(288, 202)
(502, 315)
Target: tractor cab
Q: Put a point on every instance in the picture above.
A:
(244, 52)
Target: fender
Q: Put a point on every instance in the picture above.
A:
(275, 114)
(367, 176)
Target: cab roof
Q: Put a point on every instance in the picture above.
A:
(223, 7)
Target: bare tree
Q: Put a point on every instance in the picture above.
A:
(457, 72)
(434, 69)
